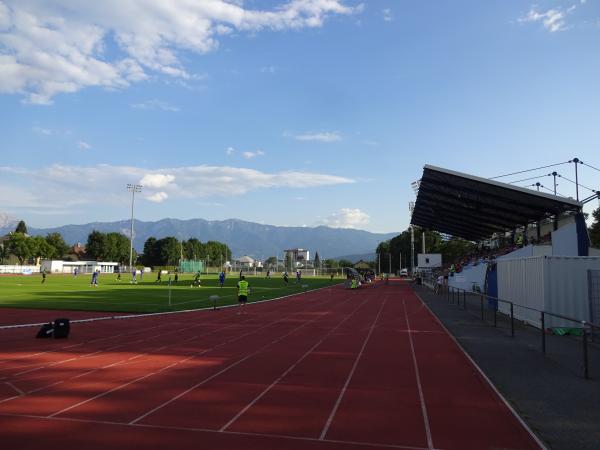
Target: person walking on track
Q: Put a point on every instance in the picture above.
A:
(243, 290)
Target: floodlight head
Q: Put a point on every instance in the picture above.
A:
(134, 187)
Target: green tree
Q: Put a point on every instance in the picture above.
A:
(3, 252)
(215, 252)
(56, 241)
(150, 256)
(116, 248)
(19, 246)
(39, 248)
(345, 263)
(331, 263)
(21, 227)
(595, 229)
(193, 249)
(400, 247)
(95, 244)
(169, 251)
(108, 246)
(288, 261)
(271, 262)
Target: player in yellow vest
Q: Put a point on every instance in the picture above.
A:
(243, 290)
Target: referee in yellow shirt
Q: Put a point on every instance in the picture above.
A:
(243, 289)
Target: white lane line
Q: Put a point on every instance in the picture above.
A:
(537, 440)
(106, 350)
(146, 315)
(292, 367)
(162, 369)
(71, 346)
(183, 360)
(128, 360)
(343, 391)
(212, 431)
(231, 366)
(418, 376)
(14, 387)
(142, 354)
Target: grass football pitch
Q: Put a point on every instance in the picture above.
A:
(75, 293)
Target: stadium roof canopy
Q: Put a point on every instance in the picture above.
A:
(475, 208)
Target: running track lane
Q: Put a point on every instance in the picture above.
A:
(377, 371)
(77, 389)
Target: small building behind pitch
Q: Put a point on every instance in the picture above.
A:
(58, 266)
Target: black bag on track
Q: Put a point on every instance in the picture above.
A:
(61, 328)
(46, 331)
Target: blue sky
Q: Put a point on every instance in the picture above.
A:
(300, 112)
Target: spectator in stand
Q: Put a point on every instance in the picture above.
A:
(439, 284)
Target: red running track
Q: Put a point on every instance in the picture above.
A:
(329, 369)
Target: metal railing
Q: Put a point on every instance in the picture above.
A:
(590, 332)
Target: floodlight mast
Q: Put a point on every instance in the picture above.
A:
(133, 188)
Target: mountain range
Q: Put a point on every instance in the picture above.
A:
(243, 238)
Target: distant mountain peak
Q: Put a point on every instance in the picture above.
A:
(257, 240)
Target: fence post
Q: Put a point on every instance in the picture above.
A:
(481, 298)
(448, 294)
(496, 315)
(512, 320)
(543, 333)
(452, 295)
(586, 373)
(465, 299)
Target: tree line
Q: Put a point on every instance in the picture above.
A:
(169, 250)
(400, 247)
(27, 248)
(111, 246)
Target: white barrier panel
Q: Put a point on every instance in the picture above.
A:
(18, 269)
(555, 284)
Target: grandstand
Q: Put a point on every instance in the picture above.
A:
(534, 247)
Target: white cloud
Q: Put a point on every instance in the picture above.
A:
(159, 197)
(41, 130)
(388, 15)
(230, 151)
(84, 145)
(53, 186)
(347, 218)
(250, 155)
(48, 47)
(326, 136)
(268, 69)
(371, 143)
(156, 180)
(155, 105)
(553, 19)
